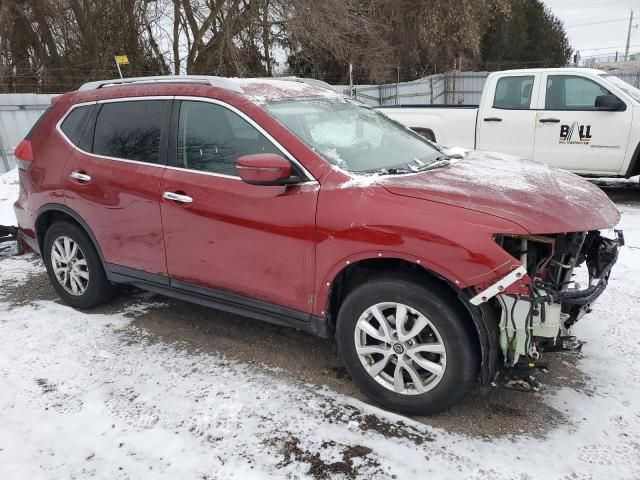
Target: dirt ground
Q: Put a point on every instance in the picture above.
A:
(485, 412)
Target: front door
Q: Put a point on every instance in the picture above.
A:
(506, 122)
(223, 234)
(571, 134)
(112, 180)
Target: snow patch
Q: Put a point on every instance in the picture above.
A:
(261, 90)
(361, 181)
(456, 151)
(9, 189)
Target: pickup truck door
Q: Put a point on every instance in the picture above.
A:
(506, 119)
(571, 134)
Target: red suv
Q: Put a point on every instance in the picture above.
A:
(287, 202)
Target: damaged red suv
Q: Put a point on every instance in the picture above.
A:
(284, 201)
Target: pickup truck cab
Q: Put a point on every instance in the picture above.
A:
(582, 120)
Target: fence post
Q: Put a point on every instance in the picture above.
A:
(431, 90)
(398, 86)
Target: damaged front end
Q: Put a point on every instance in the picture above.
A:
(559, 279)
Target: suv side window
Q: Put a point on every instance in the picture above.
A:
(514, 93)
(130, 130)
(212, 137)
(568, 92)
(74, 124)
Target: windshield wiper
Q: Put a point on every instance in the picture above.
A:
(394, 171)
(420, 166)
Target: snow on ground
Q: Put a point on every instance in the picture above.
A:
(86, 395)
(8, 195)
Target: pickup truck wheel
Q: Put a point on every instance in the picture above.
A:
(74, 267)
(405, 346)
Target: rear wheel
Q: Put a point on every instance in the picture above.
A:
(74, 266)
(406, 346)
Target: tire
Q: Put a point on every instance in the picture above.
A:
(451, 373)
(74, 288)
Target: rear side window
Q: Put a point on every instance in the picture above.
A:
(74, 124)
(514, 93)
(130, 130)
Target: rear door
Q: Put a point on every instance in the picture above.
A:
(112, 179)
(224, 235)
(571, 134)
(506, 122)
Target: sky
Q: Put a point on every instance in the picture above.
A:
(598, 27)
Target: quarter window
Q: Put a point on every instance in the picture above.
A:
(130, 130)
(74, 124)
(211, 138)
(514, 93)
(566, 92)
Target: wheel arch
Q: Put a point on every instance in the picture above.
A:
(482, 320)
(52, 212)
(634, 164)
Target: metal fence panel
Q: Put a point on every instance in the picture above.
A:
(459, 88)
(18, 112)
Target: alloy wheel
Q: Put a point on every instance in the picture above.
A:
(69, 265)
(400, 348)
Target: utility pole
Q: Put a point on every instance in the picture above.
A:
(626, 50)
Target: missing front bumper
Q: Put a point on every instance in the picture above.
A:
(537, 322)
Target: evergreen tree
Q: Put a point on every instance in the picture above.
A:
(529, 35)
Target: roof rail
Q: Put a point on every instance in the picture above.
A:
(219, 82)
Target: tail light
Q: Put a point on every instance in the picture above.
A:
(24, 154)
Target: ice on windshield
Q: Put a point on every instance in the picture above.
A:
(351, 136)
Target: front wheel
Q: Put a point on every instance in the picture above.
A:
(406, 346)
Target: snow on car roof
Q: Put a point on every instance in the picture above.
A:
(266, 89)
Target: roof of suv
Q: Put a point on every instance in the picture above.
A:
(255, 89)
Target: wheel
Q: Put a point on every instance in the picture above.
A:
(74, 267)
(406, 345)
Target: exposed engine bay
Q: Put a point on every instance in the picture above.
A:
(552, 265)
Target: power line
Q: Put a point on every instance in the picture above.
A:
(607, 48)
(599, 22)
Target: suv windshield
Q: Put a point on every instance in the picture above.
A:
(627, 88)
(354, 137)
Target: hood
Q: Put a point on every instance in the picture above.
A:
(537, 197)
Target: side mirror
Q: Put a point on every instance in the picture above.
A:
(265, 169)
(610, 103)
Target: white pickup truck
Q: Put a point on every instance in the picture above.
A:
(583, 120)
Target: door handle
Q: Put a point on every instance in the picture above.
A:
(82, 177)
(493, 119)
(549, 120)
(176, 197)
